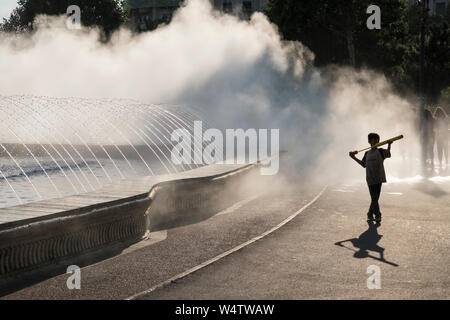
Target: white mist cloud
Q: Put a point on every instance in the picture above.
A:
(154, 66)
(240, 73)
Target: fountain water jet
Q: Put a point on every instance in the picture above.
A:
(81, 144)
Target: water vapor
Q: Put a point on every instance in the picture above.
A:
(241, 74)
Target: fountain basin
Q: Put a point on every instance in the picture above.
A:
(45, 232)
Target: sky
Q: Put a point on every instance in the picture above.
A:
(6, 6)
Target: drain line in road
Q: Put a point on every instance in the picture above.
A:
(227, 253)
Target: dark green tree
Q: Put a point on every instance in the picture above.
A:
(303, 21)
(106, 14)
(336, 31)
(445, 98)
(437, 57)
(437, 53)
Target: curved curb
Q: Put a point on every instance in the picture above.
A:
(29, 245)
(227, 253)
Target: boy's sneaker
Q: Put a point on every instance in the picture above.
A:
(378, 217)
(370, 217)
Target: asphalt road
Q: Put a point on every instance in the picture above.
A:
(323, 253)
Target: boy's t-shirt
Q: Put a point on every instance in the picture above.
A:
(373, 161)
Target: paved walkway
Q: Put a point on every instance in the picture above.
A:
(324, 253)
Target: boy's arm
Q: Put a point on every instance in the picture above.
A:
(353, 156)
(388, 151)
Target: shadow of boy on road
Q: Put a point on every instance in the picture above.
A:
(366, 242)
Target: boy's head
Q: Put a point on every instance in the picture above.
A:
(373, 138)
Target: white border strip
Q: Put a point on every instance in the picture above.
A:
(226, 253)
(237, 205)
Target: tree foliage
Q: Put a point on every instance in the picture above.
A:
(106, 14)
(327, 27)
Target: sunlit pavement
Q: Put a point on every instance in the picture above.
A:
(308, 258)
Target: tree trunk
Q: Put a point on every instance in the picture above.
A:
(351, 48)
